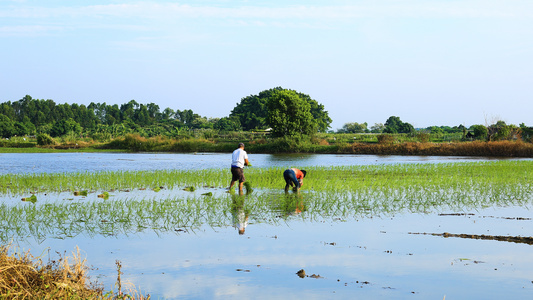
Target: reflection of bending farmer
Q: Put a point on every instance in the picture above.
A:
(293, 177)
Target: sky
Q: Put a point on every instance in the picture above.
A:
(429, 62)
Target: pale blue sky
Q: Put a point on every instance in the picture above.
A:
(430, 62)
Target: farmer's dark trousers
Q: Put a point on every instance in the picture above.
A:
(289, 175)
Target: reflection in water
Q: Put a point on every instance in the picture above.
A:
(292, 204)
(239, 213)
(168, 248)
(159, 256)
(171, 212)
(16, 163)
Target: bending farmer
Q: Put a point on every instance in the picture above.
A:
(294, 177)
(239, 159)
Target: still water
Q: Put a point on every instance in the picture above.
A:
(364, 258)
(95, 162)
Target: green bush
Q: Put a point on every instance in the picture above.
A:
(44, 139)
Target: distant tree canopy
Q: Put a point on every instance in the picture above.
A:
(354, 128)
(32, 116)
(252, 111)
(289, 114)
(500, 131)
(527, 132)
(228, 124)
(395, 125)
(377, 128)
(445, 129)
(480, 131)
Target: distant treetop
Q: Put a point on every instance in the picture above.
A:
(252, 111)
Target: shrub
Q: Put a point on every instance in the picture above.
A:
(423, 137)
(386, 139)
(44, 139)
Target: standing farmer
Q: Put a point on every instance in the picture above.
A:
(239, 159)
(294, 177)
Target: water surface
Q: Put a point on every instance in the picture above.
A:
(95, 162)
(380, 256)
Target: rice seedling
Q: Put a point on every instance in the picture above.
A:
(104, 195)
(248, 187)
(31, 199)
(352, 192)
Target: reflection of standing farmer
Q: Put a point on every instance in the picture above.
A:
(239, 159)
(293, 177)
(240, 215)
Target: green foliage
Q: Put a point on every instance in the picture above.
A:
(30, 116)
(480, 132)
(423, 137)
(44, 139)
(7, 128)
(501, 131)
(395, 125)
(289, 115)
(320, 115)
(526, 132)
(21, 129)
(228, 124)
(436, 130)
(252, 111)
(18, 142)
(377, 128)
(354, 128)
(446, 129)
(64, 126)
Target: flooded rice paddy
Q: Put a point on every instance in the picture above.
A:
(362, 230)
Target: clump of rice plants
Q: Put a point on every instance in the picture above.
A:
(80, 193)
(104, 195)
(248, 186)
(189, 188)
(31, 199)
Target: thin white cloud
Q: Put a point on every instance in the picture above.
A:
(28, 30)
(364, 9)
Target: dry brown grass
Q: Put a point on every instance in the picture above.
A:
(476, 148)
(23, 276)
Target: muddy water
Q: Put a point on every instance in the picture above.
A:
(396, 256)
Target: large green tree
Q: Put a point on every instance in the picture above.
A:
(252, 111)
(289, 114)
(395, 125)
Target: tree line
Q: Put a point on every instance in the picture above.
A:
(291, 112)
(493, 132)
(284, 112)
